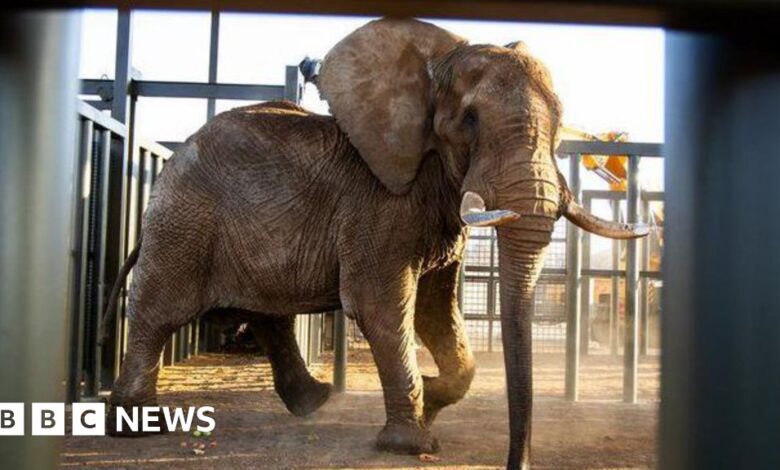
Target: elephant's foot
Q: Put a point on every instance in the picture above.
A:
(156, 419)
(407, 439)
(305, 397)
(441, 392)
(430, 411)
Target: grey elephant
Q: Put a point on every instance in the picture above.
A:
(270, 211)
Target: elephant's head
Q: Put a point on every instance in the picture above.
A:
(403, 90)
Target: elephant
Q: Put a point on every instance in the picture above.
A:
(269, 211)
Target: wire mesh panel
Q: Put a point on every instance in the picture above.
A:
(606, 287)
(475, 297)
(480, 295)
(479, 252)
(549, 316)
(478, 332)
(556, 252)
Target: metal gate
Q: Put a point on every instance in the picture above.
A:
(479, 296)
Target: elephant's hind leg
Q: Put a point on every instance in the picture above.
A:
(301, 393)
(439, 324)
(137, 381)
(157, 306)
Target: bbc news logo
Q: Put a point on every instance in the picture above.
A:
(89, 419)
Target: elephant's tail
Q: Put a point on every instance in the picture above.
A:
(109, 315)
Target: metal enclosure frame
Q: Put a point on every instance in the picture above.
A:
(116, 172)
(576, 273)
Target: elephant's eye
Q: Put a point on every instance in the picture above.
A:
(470, 119)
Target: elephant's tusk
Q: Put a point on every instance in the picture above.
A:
(606, 228)
(473, 213)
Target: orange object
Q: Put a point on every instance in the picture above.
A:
(611, 168)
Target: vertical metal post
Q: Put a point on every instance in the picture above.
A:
(79, 249)
(292, 84)
(586, 285)
(491, 290)
(721, 354)
(210, 112)
(614, 307)
(120, 104)
(461, 285)
(111, 355)
(195, 337)
(168, 352)
(644, 292)
(213, 61)
(573, 274)
(340, 352)
(92, 382)
(630, 350)
(182, 344)
(316, 334)
(38, 85)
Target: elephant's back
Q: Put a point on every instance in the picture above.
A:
(265, 183)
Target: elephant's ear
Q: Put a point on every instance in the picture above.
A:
(377, 84)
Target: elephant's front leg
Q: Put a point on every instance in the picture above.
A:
(440, 325)
(384, 309)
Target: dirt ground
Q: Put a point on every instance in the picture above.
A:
(254, 430)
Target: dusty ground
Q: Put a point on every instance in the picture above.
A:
(254, 430)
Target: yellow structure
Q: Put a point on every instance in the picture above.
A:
(612, 168)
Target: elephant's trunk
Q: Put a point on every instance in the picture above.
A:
(521, 256)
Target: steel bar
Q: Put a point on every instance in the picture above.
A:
(608, 273)
(119, 190)
(213, 61)
(196, 337)
(614, 307)
(620, 196)
(169, 352)
(75, 338)
(154, 148)
(38, 82)
(121, 82)
(340, 352)
(292, 84)
(223, 91)
(619, 273)
(106, 122)
(631, 339)
(92, 383)
(169, 89)
(100, 105)
(491, 290)
(586, 287)
(83, 188)
(644, 292)
(573, 289)
(632, 149)
(720, 351)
